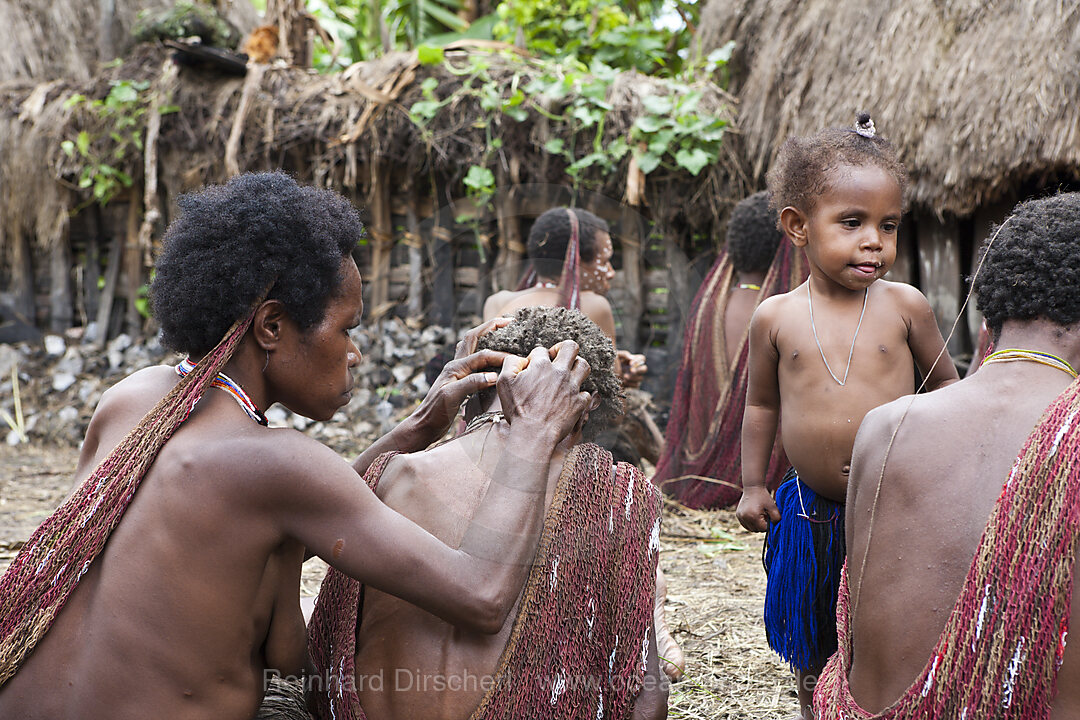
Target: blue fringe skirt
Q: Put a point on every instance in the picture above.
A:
(803, 556)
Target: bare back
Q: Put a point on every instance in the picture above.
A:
(507, 302)
(944, 474)
(224, 610)
(409, 663)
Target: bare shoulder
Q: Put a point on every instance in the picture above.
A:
(770, 310)
(906, 298)
(147, 385)
(496, 302)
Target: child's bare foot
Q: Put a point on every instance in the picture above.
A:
(671, 655)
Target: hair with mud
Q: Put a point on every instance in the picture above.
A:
(550, 235)
(753, 234)
(1032, 269)
(546, 326)
(803, 168)
(231, 242)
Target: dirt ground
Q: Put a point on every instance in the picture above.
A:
(715, 590)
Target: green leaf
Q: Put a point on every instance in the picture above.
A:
(82, 141)
(659, 143)
(445, 17)
(479, 178)
(554, 146)
(618, 148)
(721, 54)
(424, 110)
(428, 86)
(688, 103)
(657, 104)
(647, 161)
(73, 101)
(68, 147)
(518, 114)
(429, 55)
(649, 123)
(122, 93)
(693, 160)
(168, 109)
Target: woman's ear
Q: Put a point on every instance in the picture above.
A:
(794, 222)
(268, 324)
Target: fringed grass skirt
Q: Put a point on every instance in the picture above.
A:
(803, 556)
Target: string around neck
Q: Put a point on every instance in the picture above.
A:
(810, 300)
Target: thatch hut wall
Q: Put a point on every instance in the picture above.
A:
(981, 100)
(432, 255)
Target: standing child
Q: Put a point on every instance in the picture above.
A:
(821, 357)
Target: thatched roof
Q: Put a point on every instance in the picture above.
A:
(979, 97)
(327, 129)
(49, 39)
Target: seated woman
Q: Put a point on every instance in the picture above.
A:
(168, 584)
(586, 613)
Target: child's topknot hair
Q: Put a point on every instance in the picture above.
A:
(231, 242)
(550, 235)
(800, 172)
(1032, 269)
(752, 234)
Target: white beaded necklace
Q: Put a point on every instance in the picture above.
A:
(810, 300)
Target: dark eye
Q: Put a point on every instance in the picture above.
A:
(890, 227)
(850, 222)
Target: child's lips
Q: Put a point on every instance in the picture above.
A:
(866, 268)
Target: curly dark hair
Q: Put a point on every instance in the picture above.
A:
(800, 173)
(1032, 269)
(232, 241)
(546, 326)
(753, 234)
(550, 235)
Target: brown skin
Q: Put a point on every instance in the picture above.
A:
(954, 450)
(197, 591)
(740, 308)
(595, 278)
(399, 646)
(849, 237)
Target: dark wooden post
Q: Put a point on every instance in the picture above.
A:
(630, 233)
(511, 248)
(382, 234)
(133, 265)
(22, 277)
(414, 303)
(60, 305)
(442, 306)
(939, 273)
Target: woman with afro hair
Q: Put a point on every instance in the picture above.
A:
(167, 585)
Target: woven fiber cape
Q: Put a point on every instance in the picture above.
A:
(705, 428)
(49, 566)
(999, 654)
(577, 647)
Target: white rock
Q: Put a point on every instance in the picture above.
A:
(402, 373)
(54, 345)
(278, 416)
(62, 381)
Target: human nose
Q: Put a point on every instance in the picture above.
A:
(872, 239)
